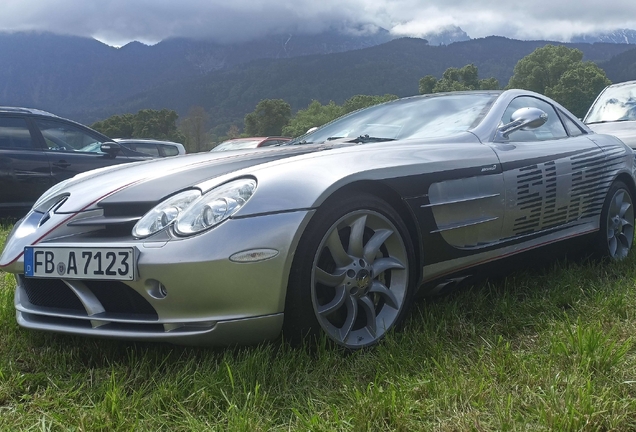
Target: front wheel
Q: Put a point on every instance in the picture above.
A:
(617, 223)
(352, 275)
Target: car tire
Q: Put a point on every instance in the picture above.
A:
(353, 274)
(616, 235)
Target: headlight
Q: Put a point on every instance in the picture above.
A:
(164, 214)
(215, 206)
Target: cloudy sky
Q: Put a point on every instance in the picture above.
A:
(117, 22)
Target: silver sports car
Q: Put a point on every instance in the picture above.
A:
(329, 234)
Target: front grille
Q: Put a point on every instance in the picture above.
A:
(51, 293)
(113, 210)
(113, 220)
(116, 297)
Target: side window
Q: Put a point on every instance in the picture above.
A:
(14, 133)
(169, 150)
(573, 128)
(66, 137)
(149, 149)
(552, 129)
(270, 143)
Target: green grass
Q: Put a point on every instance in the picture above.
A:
(543, 349)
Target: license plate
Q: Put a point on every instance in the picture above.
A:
(79, 263)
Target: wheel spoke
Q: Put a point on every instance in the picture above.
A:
(335, 304)
(617, 203)
(621, 249)
(613, 245)
(623, 240)
(626, 223)
(352, 314)
(387, 294)
(387, 263)
(356, 236)
(338, 253)
(624, 208)
(328, 279)
(369, 310)
(373, 245)
(610, 234)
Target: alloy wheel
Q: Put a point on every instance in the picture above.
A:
(359, 278)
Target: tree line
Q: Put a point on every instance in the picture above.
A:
(555, 71)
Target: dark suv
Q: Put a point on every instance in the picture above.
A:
(39, 149)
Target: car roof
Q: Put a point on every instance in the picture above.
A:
(145, 140)
(248, 139)
(21, 110)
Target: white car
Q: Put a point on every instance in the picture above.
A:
(614, 112)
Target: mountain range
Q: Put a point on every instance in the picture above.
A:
(85, 80)
(620, 36)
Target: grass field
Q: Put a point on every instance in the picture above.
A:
(543, 349)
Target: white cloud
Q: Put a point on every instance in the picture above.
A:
(120, 21)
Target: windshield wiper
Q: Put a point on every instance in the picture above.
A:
(291, 143)
(361, 139)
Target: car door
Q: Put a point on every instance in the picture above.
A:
(72, 149)
(25, 171)
(548, 172)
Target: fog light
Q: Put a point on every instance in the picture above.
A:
(156, 289)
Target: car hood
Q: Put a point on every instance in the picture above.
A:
(624, 130)
(148, 182)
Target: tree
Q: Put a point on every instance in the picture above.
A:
(147, 123)
(117, 126)
(157, 124)
(489, 84)
(427, 84)
(542, 68)
(315, 115)
(454, 79)
(233, 132)
(357, 102)
(578, 87)
(194, 128)
(269, 118)
(561, 73)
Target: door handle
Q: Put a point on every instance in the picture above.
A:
(61, 164)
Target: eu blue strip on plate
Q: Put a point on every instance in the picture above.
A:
(28, 261)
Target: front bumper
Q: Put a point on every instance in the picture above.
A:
(187, 291)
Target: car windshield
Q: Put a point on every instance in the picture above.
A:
(237, 145)
(431, 116)
(616, 103)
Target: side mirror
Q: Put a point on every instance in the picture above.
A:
(110, 148)
(524, 118)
